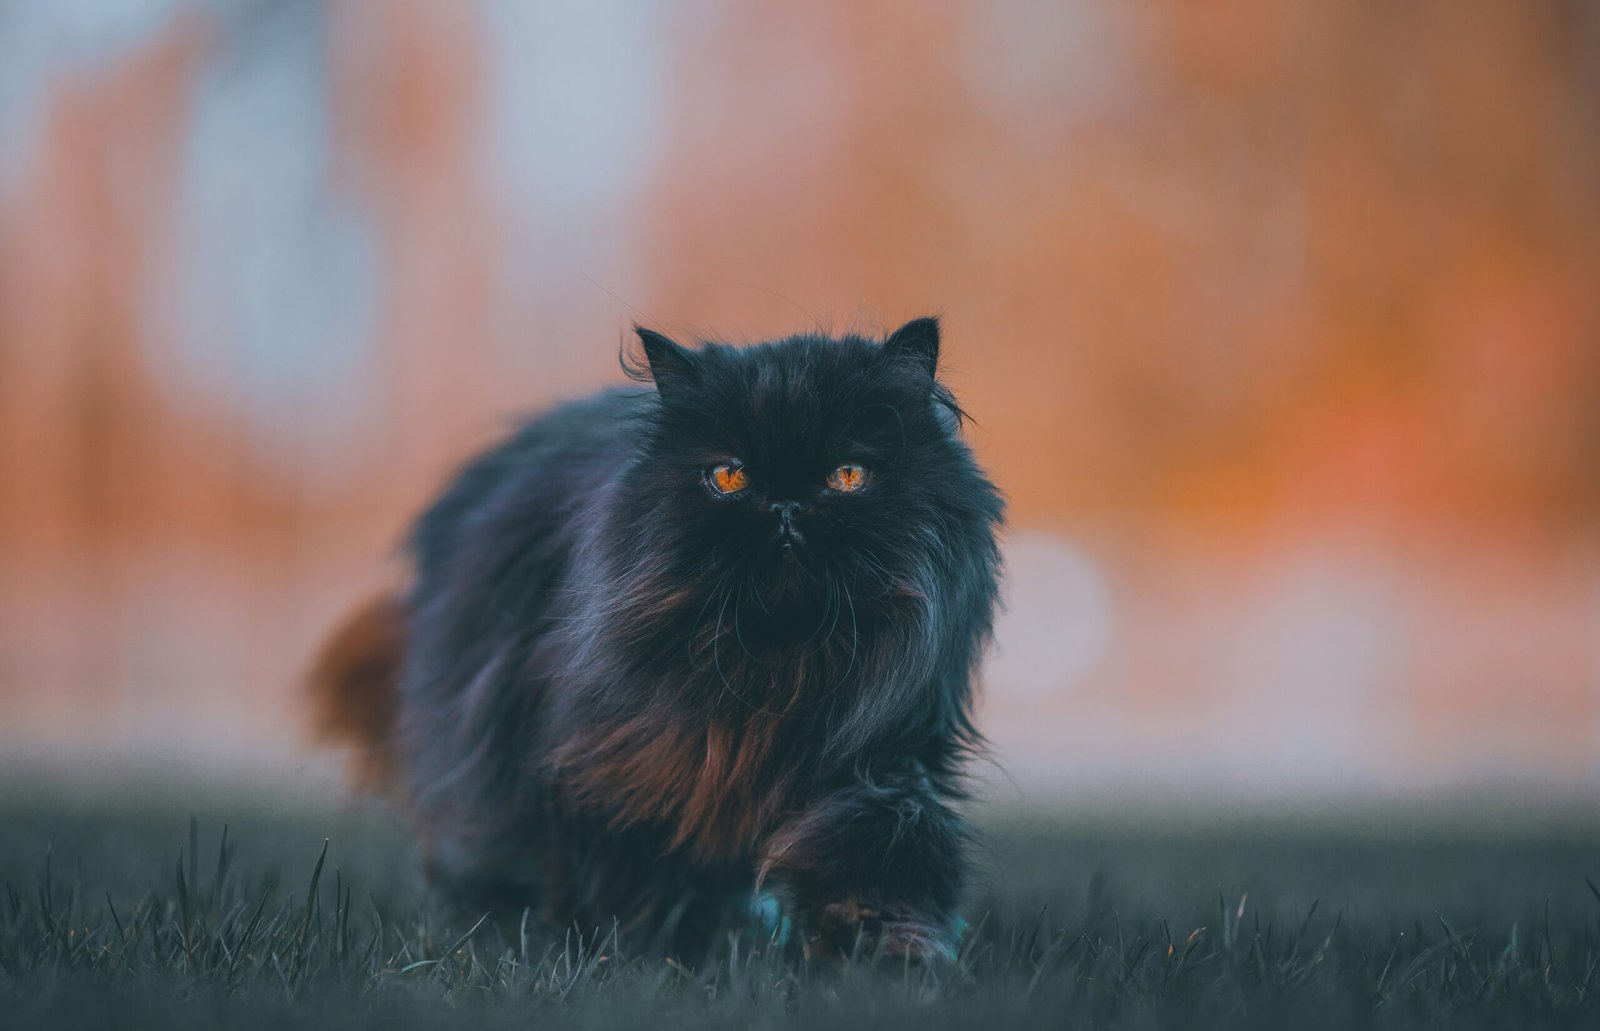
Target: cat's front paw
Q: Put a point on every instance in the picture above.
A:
(853, 929)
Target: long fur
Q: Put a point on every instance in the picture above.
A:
(354, 686)
(616, 696)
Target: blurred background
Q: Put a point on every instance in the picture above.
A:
(1279, 323)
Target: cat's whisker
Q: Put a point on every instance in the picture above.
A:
(716, 657)
(738, 630)
(716, 647)
(836, 600)
(874, 564)
(823, 618)
(755, 589)
(855, 635)
(694, 628)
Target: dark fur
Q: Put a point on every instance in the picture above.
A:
(620, 698)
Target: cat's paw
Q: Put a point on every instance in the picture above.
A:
(852, 929)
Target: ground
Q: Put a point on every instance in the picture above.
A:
(133, 911)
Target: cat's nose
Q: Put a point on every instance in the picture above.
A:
(786, 511)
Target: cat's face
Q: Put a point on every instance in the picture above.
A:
(801, 475)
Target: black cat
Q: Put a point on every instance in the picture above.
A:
(668, 648)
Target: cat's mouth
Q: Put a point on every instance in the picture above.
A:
(789, 566)
(791, 547)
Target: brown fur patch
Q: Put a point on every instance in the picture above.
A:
(716, 786)
(354, 687)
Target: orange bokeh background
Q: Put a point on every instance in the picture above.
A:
(1279, 324)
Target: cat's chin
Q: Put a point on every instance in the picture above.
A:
(786, 584)
(792, 577)
(790, 596)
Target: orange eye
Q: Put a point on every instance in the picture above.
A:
(729, 479)
(847, 478)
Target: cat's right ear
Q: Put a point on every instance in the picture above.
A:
(916, 342)
(670, 362)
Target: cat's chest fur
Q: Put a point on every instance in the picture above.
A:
(713, 786)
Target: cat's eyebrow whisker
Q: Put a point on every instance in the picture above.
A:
(897, 418)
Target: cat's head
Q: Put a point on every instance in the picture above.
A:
(798, 477)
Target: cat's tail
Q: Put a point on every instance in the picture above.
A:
(355, 691)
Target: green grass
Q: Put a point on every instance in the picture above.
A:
(131, 915)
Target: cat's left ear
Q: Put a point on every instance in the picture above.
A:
(917, 341)
(670, 362)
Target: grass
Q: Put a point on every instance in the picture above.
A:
(143, 914)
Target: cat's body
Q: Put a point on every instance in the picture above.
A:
(666, 646)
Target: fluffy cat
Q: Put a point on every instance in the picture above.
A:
(667, 648)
